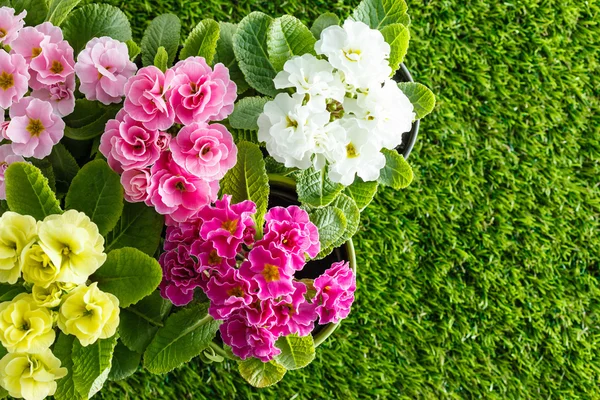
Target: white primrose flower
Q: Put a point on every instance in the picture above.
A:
(288, 126)
(385, 111)
(309, 75)
(362, 156)
(330, 144)
(358, 51)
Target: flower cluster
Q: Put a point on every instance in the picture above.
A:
(250, 283)
(54, 257)
(344, 110)
(177, 175)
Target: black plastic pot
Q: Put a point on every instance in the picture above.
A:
(408, 138)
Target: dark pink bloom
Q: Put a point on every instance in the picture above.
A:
(183, 233)
(164, 141)
(200, 94)
(249, 340)
(145, 98)
(60, 95)
(128, 144)
(175, 192)
(206, 151)
(270, 272)
(227, 225)
(180, 276)
(53, 65)
(295, 313)
(10, 24)
(227, 293)
(7, 157)
(335, 293)
(14, 78)
(135, 183)
(209, 259)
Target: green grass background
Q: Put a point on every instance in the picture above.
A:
(482, 279)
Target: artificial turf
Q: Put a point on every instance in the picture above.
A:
(482, 279)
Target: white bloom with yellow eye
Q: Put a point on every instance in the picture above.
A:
(73, 244)
(31, 376)
(24, 326)
(16, 232)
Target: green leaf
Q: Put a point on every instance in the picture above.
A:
(28, 193)
(396, 173)
(380, 13)
(164, 31)
(95, 20)
(226, 55)
(296, 351)
(331, 223)
(240, 135)
(140, 227)
(89, 119)
(315, 188)
(161, 59)
(420, 96)
(260, 374)
(37, 10)
(324, 21)
(97, 192)
(398, 37)
(202, 41)
(140, 322)
(129, 274)
(124, 363)
(92, 364)
(352, 214)
(133, 49)
(250, 47)
(362, 192)
(185, 335)
(63, 349)
(3, 207)
(64, 165)
(46, 168)
(8, 292)
(248, 180)
(60, 9)
(275, 167)
(288, 37)
(246, 112)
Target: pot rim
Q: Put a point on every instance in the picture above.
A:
(405, 76)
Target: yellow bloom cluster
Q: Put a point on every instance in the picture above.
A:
(55, 257)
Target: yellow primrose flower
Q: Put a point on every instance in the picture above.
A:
(31, 376)
(89, 314)
(49, 297)
(24, 326)
(73, 243)
(37, 267)
(16, 232)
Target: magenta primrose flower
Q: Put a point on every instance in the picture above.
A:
(7, 157)
(249, 340)
(227, 292)
(181, 276)
(296, 314)
(103, 68)
(135, 184)
(14, 78)
(10, 24)
(335, 293)
(59, 95)
(270, 272)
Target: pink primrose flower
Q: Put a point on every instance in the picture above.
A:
(10, 24)
(60, 95)
(269, 271)
(14, 78)
(145, 98)
(249, 340)
(135, 183)
(227, 292)
(54, 64)
(335, 293)
(7, 157)
(180, 276)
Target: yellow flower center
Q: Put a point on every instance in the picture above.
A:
(230, 226)
(66, 251)
(236, 291)
(213, 258)
(57, 67)
(25, 327)
(36, 51)
(205, 150)
(2, 32)
(35, 127)
(290, 123)
(6, 81)
(351, 151)
(352, 54)
(180, 186)
(271, 273)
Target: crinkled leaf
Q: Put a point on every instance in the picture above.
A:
(296, 351)
(202, 41)
(243, 135)
(64, 165)
(331, 223)
(380, 13)
(185, 335)
(28, 192)
(421, 97)
(226, 55)
(275, 167)
(362, 192)
(89, 119)
(315, 188)
(164, 30)
(133, 49)
(352, 214)
(37, 10)
(248, 180)
(288, 37)
(63, 349)
(46, 168)
(8, 292)
(91, 365)
(161, 59)
(60, 9)
(95, 20)
(140, 322)
(97, 192)
(246, 112)
(324, 21)
(129, 274)
(140, 227)
(260, 374)
(397, 173)
(124, 363)
(398, 37)
(250, 47)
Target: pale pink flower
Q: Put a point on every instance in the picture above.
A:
(34, 128)
(54, 33)
(54, 64)
(145, 98)
(60, 95)
(10, 24)
(29, 42)
(205, 150)
(13, 78)
(135, 183)
(200, 94)
(103, 68)
(164, 141)
(3, 127)
(7, 157)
